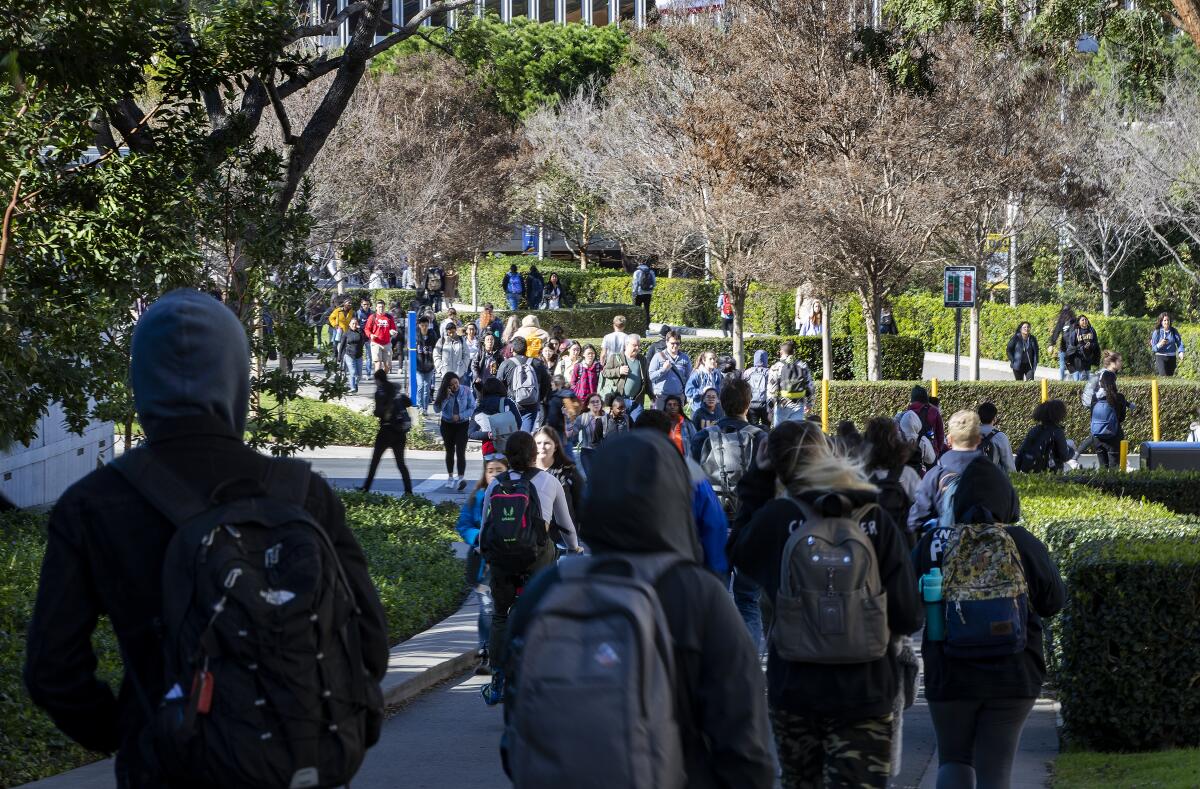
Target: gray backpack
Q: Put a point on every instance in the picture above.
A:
(1091, 391)
(525, 384)
(725, 458)
(831, 607)
(596, 657)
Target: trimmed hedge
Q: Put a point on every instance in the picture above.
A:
(1177, 490)
(859, 401)
(592, 320)
(903, 356)
(1045, 501)
(407, 544)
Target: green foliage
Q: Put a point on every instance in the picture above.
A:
(808, 350)
(859, 401)
(903, 358)
(337, 425)
(1045, 500)
(581, 285)
(407, 545)
(1177, 490)
(525, 65)
(1170, 289)
(592, 320)
(1087, 770)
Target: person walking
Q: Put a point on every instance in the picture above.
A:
(830, 687)
(588, 430)
(887, 322)
(486, 363)
(391, 409)
(1083, 349)
(789, 385)
(705, 376)
(534, 335)
(471, 340)
(487, 322)
(513, 285)
(585, 376)
(978, 697)
(435, 285)
(644, 282)
(426, 346)
(452, 355)
(725, 312)
(1045, 447)
(669, 371)
(1166, 345)
(614, 341)
(536, 287)
(555, 295)
(339, 321)
(683, 430)
(921, 455)
(496, 417)
(1108, 409)
(552, 458)
(627, 373)
(456, 405)
(930, 417)
(616, 417)
(350, 351)
(1023, 352)
(964, 436)
(886, 458)
(709, 412)
(1064, 326)
(758, 376)
(567, 359)
(813, 325)
(526, 380)
(561, 409)
(364, 311)
(381, 328)
(993, 442)
(399, 348)
(710, 728)
(114, 534)
(470, 521)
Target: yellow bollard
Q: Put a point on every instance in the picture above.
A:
(1045, 390)
(1154, 428)
(933, 387)
(1124, 461)
(825, 405)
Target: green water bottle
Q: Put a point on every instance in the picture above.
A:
(931, 593)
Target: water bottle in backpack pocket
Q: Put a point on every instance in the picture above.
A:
(985, 593)
(831, 606)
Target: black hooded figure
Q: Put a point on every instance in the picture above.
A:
(719, 691)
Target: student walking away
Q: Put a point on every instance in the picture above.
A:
(117, 533)
(669, 371)
(1108, 408)
(534, 335)
(931, 418)
(847, 439)
(757, 376)
(725, 310)
(1083, 349)
(470, 520)
(964, 437)
(1064, 326)
(496, 417)
(536, 287)
(523, 377)
(554, 297)
(644, 282)
(627, 373)
(339, 321)
(921, 455)
(585, 376)
(514, 288)
(552, 458)
(709, 412)
(1045, 447)
(1167, 346)
(350, 351)
(426, 345)
(984, 659)
(994, 443)
(697, 707)
(789, 385)
(391, 409)
(832, 676)
(614, 341)
(887, 322)
(704, 377)
(886, 457)
(452, 355)
(683, 430)
(487, 363)
(435, 285)
(515, 537)
(1023, 352)
(456, 405)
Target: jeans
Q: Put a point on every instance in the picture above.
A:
(635, 411)
(335, 336)
(435, 301)
(353, 368)
(514, 301)
(1062, 366)
(977, 741)
(424, 389)
(529, 415)
(789, 411)
(486, 608)
(746, 596)
(1079, 375)
(389, 437)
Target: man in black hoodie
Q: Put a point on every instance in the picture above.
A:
(720, 704)
(106, 543)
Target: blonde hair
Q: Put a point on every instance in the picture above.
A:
(805, 460)
(619, 322)
(963, 429)
(510, 328)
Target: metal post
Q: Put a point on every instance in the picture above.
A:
(412, 356)
(1045, 390)
(933, 387)
(1154, 424)
(1123, 464)
(957, 338)
(825, 405)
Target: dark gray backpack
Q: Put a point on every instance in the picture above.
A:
(831, 607)
(592, 687)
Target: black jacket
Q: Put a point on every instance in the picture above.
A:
(719, 686)
(1022, 355)
(1048, 441)
(486, 365)
(849, 691)
(352, 343)
(106, 544)
(1083, 348)
(1062, 332)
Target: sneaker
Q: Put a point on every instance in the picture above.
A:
(449, 484)
(493, 692)
(462, 483)
(483, 669)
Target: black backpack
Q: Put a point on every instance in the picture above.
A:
(892, 498)
(927, 426)
(987, 445)
(514, 531)
(263, 669)
(1034, 456)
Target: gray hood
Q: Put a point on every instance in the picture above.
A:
(190, 359)
(760, 358)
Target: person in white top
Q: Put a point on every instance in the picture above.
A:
(614, 341)
(994, 443)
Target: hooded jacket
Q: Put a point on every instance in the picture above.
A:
(758, 376)
(928, 503)
(719, 696)
(985, 494)
(106, 544)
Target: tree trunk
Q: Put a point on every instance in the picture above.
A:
(583, 242)
(1189, 17)
(475, 281)
(1106, 293)
(871, 304)
(826, 341)
(128, 433)
(738, 293)
(973, 372)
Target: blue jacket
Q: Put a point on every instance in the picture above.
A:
(701, 381)
(470, 518)
(466, 404)
(670, 380)
(711, 524)
(1174, 342)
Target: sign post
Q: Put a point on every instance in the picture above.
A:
(958, 291)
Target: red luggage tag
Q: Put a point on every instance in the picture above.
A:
(202, 690)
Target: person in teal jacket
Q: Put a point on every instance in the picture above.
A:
(470, 521)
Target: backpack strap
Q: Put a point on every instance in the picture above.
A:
(165, 491)
(287, 479)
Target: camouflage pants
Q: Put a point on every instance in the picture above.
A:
(826, 753)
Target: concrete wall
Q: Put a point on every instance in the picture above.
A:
(38, 474)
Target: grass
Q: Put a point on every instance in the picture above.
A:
(1160, 770)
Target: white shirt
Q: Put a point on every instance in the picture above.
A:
(552, 499)
(613, 342)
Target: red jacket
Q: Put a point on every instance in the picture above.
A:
(379, 328)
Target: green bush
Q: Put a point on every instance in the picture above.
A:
(808, 349)
(1016, 400)
(903, 357)
(1177, 490)
(592, 320)
(407, 545)
(350, 428)
(582, 286)
(1045, 500)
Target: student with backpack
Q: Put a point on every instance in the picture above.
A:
(196, 489)
(435, 286)
(644, 282)
(1108, 408)
(789, 385)
(526, 379)
(921, 455)
(993, 443)
(930, 416)
(984, 659)
(456, 405)
(470, 520)
(391, 409)
(964, 437)
(496, 417)
(757, 376)
(725, 310)
(1045, 447)
(426, 343)
(832, 676)
(611, 645)
(887, 466)
(514, 288)
(518, 507)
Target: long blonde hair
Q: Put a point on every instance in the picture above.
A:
(804, 460)
(510, 328)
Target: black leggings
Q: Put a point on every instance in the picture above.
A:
(1108, 451)
(389, 438)
(1164, 366)
(506, 585)
(454, 434)
(1023, 375)
(977, 741)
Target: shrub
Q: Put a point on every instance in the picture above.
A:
(903, 358)
(581, 285)
(1177, 490)
(592, 320)
(1045, 500)
(808, 349)
(677, 300)
(1016, 400)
